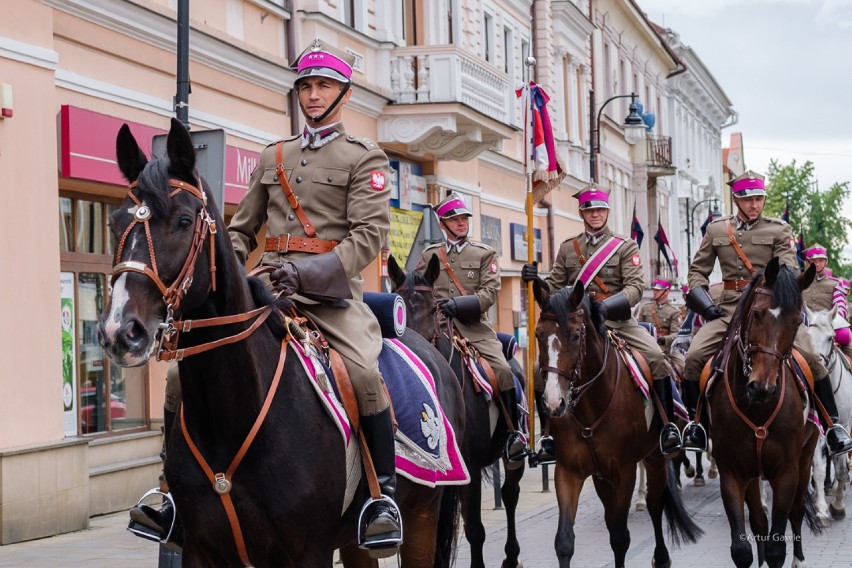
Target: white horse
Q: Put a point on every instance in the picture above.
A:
(821, 327)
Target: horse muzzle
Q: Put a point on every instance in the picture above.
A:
(759, 391)
(127, 342)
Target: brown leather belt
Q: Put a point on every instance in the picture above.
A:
(739, 285)
(598, 296)
(289, 243)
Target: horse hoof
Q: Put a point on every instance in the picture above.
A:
(641, 506)
(712, 474)
(699, 482)
(837, 514)
(823, 521)
(655, 565)
(689, 471)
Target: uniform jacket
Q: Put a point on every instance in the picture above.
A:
(820, 295)
(477, 270)
(342, 183)
(621, 273)
(768, 237)
(668, 316)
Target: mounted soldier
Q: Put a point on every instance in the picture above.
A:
(467, 287)
(743, 243)
(610, 268)
(827, 292)
(665, 316)
(323, 196)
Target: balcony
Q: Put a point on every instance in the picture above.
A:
(446, 104)
(658, 153)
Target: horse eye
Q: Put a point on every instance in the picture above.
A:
(575, 337)
(185, 222)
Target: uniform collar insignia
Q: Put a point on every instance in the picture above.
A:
(319, 138)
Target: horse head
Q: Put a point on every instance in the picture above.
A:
(821, 329)
(769, 315)
(416, 290)
(166, 250)
(562, 336)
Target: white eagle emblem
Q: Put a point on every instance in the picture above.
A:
(430, 426)
(377, 180)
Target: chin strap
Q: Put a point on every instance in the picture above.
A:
(330, 109)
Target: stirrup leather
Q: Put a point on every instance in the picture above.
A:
(167, 496)
(390, 543)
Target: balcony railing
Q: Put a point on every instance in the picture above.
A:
(445, 74)
(659, 151)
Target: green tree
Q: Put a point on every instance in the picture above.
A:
(814, 213)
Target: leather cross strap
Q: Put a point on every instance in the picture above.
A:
(737, 246)
(604, 288)
(442, 254)
(290, 243)
(288, 191)
(656, 320)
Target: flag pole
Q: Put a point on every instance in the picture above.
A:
(528, 146)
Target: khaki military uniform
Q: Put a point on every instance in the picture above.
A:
(477, 270)
(667, 318)
(765, 238)
(342, 183)
(621, 273)
(820, 296)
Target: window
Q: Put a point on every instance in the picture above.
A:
(349, 13)
(488, 36)
(109, 398)
(451, 21)
(525, 53)
(507, 50)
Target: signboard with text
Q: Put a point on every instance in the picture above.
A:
(492, 233)
(518, 234)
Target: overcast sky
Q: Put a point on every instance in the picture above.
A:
(786, 65)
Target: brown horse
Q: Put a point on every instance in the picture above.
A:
(757, 419)
(283, 494)
(482, 446)
(599, 429)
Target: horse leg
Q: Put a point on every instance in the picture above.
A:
(420, 511)
(784, 489)
(641, 489)
(568, 489)
(820, 469)
(352, 556)
(616, 501)
(510, 492)
(471, 511)
(841, 476)
(757, 519)
(699, 470)
(733, 495)
(802, 506)
(657, 479)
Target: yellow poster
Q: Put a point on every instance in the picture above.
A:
(403, 229)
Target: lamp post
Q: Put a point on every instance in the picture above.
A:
(634, 128)
(690, 224)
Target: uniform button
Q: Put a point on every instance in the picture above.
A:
(304, 162)
(275, 178)
(740, 234)
(299, 179)
(330, 179)
(291, 216)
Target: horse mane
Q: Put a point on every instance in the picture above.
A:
(416, 278)
(786, 293)
(560, 304)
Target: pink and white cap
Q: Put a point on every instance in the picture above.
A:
(593, 197)
(748, 184)
(816, 251)
(661, 284)
(451, 206)
(322, 60)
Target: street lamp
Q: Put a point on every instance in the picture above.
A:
(690, 224)
(634, 128)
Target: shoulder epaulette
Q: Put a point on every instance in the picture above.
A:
(776, 220)
(433, 245)
(481, 245)
(365, 142)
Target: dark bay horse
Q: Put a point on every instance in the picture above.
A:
(248, 408)
(757, 419)
(599, 428)
(481, 446)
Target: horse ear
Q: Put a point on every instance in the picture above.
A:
(433, 269)
(131, 160)
(808, 277)
(395, 273)
(771, 271)
(541, 294)
(577, 293)
(180, 150)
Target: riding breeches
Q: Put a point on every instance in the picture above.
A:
(805, 346)
(354, 332)
(705, 345)
(492, 351)
(638, 338)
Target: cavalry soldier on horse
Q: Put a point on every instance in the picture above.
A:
(323, 196)
(827, 292)
(467, 287)
(665, 316)
(610, 268)
(743, 243)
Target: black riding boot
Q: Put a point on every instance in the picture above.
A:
(670, 441)
(546, 453)
(515, 449)
(380, 525)
(161, 524)
(694, 435)
(836, 438)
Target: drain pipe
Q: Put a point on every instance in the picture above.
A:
(551, 229)
(293, 99)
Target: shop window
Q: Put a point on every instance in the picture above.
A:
(108, 398)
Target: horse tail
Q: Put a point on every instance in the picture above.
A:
(681, 526)
(811, 512)
(448, 527)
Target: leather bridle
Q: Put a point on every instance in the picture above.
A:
(746, 348)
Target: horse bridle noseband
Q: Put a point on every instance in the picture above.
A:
(204, 225)
(746, 348)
